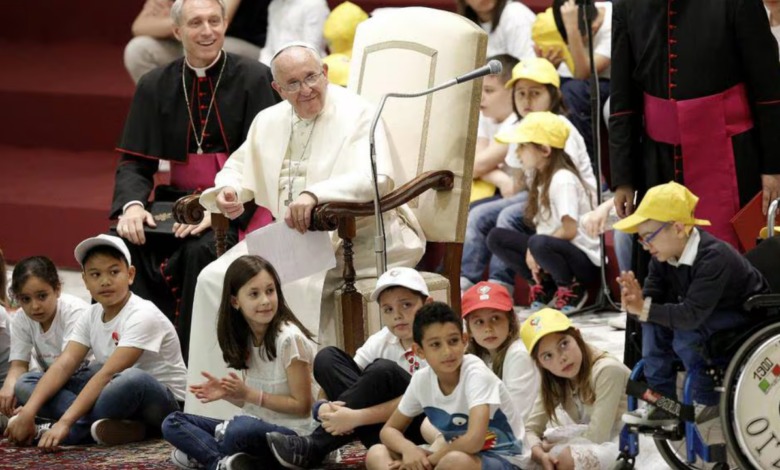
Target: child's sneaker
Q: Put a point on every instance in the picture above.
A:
(114, 432)
(240, 461)
(540, 295)
(650, 416)
(182, 460)
(570, 299)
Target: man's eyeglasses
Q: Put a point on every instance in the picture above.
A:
(295, 87)
(647, 240)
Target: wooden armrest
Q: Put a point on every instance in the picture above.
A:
(325, 216)
(187, 210)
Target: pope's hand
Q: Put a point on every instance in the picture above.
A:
(298, 215)
(228, 203)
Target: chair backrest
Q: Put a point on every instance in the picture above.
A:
(409, 50)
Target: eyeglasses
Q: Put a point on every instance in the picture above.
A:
(646, 241)
(295, 86)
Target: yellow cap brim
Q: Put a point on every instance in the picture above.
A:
(631, 223)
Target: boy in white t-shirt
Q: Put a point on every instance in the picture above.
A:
(365, 390)
(462, 398)
(142, 378)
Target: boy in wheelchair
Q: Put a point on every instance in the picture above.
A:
(696, 285)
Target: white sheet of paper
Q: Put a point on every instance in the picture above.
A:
(294, 255)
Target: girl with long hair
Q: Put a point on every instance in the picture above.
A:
(548, 248)
(493, 331)
(588, 384)
(261, 337)
(507, 22)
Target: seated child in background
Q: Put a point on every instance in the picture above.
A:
(142, 378)
(495, 115)
(461, 397)
(494, 336)
(259, 335)
(364, 391)
(46, 320)
(5, 335)
(588, 384)
(696, 285)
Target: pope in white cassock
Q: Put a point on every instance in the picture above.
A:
(310, 149)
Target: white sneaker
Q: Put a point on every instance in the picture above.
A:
(182, 460)
(619, 322)
(113, 432)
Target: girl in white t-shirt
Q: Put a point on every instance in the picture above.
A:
(39, 333)
(549, 249)
(584, 385)
(493, 331)
(260, 336)
(507, 22)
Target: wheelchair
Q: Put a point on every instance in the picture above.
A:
(749, 385)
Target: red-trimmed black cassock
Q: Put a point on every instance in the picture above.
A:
(158, 126)
(695, 98)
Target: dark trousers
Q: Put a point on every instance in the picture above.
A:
(342, 380)
(563, 261)
(576, 96)
(167, 271)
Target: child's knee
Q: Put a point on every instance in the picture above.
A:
(378, 457)
(455, 460)
(23, 389)
(565, 460)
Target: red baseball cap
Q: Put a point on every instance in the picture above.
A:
(486, 295)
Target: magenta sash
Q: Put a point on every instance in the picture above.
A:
(199, 173)
(703, 127)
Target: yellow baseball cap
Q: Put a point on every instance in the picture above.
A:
(338, 68)
(541, 127)
(536, 69)
(670, 202)
(542, 323)
(545, 34)
(340, 26)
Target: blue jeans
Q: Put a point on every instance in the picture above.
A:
(494, 461)
(661, 346)
(483, 218)
(194, 435)
(131, 394)
(61, 401)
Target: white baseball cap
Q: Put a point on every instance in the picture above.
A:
(400, 277)
(101, 240)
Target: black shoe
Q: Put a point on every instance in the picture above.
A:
(296, 452)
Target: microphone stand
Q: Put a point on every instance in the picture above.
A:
(603, 300)
(380, 240)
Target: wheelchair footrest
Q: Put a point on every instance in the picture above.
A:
(669, 433)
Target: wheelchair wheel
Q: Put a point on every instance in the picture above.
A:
(673, 453)
(750, 407)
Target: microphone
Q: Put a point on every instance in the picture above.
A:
(493, 67)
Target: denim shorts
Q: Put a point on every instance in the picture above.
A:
(492, 461)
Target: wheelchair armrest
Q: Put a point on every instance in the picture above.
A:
(762, 301)
(325, 216)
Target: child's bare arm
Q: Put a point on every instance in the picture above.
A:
(7, 397)
(474, 439)
(392, 436)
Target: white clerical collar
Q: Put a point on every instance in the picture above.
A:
(201, 71)
(690, 251)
